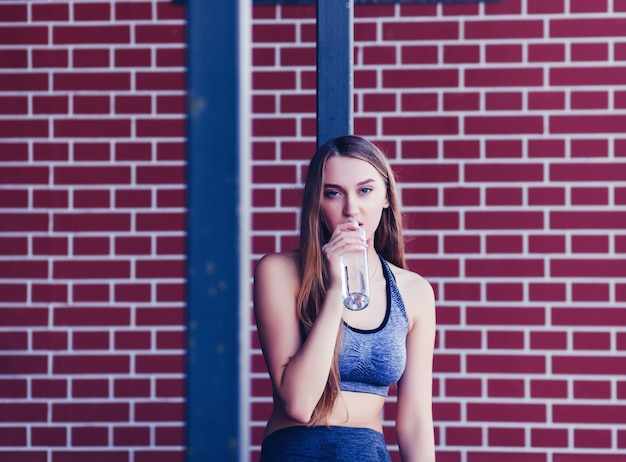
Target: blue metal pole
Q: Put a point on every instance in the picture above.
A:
(213, 231)
(334, 68)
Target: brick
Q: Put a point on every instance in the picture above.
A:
(504, 220)
(90, 388)
(593, 365)
(588, 317)
(506, 437)
(503, 101)
(589, 52)
(589, 196)
(160, 128)
(548, 292)
(503, 125)
(506, 412)
(48, 436)
(99, 456)
(51, 151)
(593, 413)
(586, 27)
(90, 292)
(50, 293)
(50, 246)
(50, 199)
(90, 340)
(446, 363)
(509, 363)
(504, 53)
(504, 244)
(13, 388)
(461, 196)
(573, 171)
(23, 35)
(91, 58)
(102, 269)
(592, 292)
(160, 221)
(23, 412)
(409, 30)
(13, 245)
(274, 80)
(49, 388)
(176, 455)
(584, 268)
(419, 54)
(91, 364)
(31, 269)
(159, 412)
(596, 75)
(131, 436)
(31, 317)
(23, 128)
(591, 438)
(170, 388)
(592, 341)
(423, 78)
(546, 52)
(170, 292)
(590, 244)
(548, 340)
(505, 292)
(90, 34)
(513, 316)
(504, 196)
(92, 316)
(89, 436)
(50, 59)
(464, 436)
(420, 126)
(24, 175)
(135, 340)
(459, 54)
(90, 412)
(132, 58)
(13, 104)
(549, 437)
(419, 102)
(505, 77)
(460, 102)
(544, 100)
(77, 222)
(463, 339)
(14, 199)
(590, 148)
(50, 340)
(541, 388)
(496, 267)
(101, 128)
(587, 220)
(592, 389)
(160, 316)
(132, 292)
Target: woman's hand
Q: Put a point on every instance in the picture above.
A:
(344, 239)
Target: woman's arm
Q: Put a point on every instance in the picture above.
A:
(414, 416)
(299, 371)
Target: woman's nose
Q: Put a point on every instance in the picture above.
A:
(350, 207)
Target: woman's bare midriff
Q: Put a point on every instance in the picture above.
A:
(361, 410)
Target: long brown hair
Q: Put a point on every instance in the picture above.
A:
(314, 234)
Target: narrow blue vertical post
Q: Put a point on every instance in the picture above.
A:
(213, 231)
(334, 68)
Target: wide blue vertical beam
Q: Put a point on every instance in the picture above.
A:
(213, 230)
(334, 68)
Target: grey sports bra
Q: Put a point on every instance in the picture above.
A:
(372, 360)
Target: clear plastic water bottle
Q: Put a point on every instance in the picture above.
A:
(355, 286)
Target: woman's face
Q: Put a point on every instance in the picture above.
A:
(353, 189)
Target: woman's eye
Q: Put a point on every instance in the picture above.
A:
(331, 193)
(366, 190)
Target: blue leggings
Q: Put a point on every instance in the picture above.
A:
(337, 444)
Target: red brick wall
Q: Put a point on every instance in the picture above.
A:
(506, 123)
(92, 231)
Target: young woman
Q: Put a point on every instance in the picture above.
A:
(331, 368)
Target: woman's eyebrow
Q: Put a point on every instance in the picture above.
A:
(336, 186)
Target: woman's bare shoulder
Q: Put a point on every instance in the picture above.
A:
(417, 293)
(278, 264)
